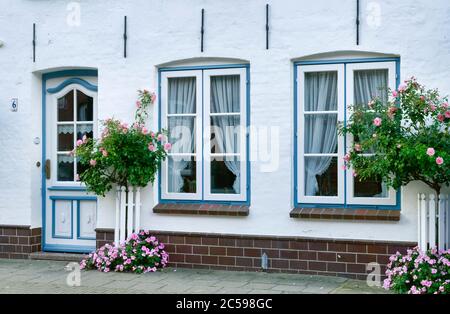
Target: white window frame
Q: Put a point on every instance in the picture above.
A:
(165, 76)
(74, 123)
(203, 129)
(391, 199)
(207, 129)
(301, 71)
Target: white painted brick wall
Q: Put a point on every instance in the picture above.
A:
(162, 31)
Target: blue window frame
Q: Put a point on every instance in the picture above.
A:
(344, 191)
(198, 183)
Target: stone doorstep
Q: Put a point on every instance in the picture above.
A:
(56, 256)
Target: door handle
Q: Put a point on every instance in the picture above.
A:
(47, 169)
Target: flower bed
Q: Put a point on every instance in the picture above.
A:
(419, 272)
(140, 253)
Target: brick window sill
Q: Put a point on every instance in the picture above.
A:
(201, 209)
(345, 214)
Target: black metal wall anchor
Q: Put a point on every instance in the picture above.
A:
(202, 30)
(125, 36)
(357, 22)
(267, 26)
(34, 42)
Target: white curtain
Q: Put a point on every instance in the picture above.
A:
(320, 129)
(181, 100)
(368, 85)
(225, 96)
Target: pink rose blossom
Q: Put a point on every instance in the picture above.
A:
(445, 105)
(439, 160)
(394, 94)
(447, 114)
(347, 157)
(432, 107)
(160, 137)
(430, 151)
(138, 104)
(152, 134)
(358, 147)
(79, 142)
(104, 153)
(377, 121)
(167, 146)
(440, 117)
(402, 87)
(153, 98)
(422, 98)
(93, 162)
(151, 147)
(144, 130)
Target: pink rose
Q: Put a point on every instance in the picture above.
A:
(124, 125)
(441, 117)
(432, 107)
(167, 146)
(93, 162)
(439, 160)
(151, 147)
(447, 114)
(104, 153)
(445, 105)
(377, 121)
(430, 151)
(347, 157)
(402, 87)
(138, 104)
(160, 137)
(153, 98)
(422, 98)
(152, 134)
(358, 147)
(79, 142)
(394, 94)
(144, 130)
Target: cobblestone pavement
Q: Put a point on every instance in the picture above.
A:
(31, 276)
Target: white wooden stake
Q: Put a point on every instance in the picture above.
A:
(137, 213)
(117, 222)
(130, 209)
(122, 214)
(423, 223)
(441, 222)
(432, 221)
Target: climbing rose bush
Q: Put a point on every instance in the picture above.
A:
(407, 137)
(419, 272)
(123, 155)
(140, 253)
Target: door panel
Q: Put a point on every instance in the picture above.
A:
(70, 212)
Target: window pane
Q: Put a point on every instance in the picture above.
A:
(81, 168)
(321, 133)
(181, 174)
(84, 129)
(182, 95)
(182, 134)
(225, 175)
(65, 168)
(321, 176)
(320, 91)
(65, 137)
(225, 134)
(85, 107)
(225, 93)
(65, 107)
(370, 84)
(369, 188)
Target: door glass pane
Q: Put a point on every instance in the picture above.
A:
(225, 175)
(369, 84)
(181, 95)
(85, 107)
(84, 129)
(321, 134)
(225, 134)
(65, 168)
(182, 134)
(321, 176)
(225, 93)
(181, 174)
(65, 137)
(369, 188)
(65, 107)
(321, 91)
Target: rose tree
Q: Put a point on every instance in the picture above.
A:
(402, 140)
(124, 155)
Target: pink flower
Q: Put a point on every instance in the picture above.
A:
(430, 151)
(160, 137)
(93, 162)
(151, 147)
(439, 160)
(422, 98)
(138, 104)
(347, 157)
(144, 130)
(432, 107)
(79, 142)
(447, 114)
(153, 98)
(124, 125)
(104, 153)
(402, 87)
(440, 117)
(392, 111)
(167, 146)
(152, 134)
(377, 121)
(394, 94)
(445, 105)
(358, 147)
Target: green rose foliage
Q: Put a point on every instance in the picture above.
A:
(407, 137)
(126, 156)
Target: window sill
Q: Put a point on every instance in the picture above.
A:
(201, 209)
(345, 214)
